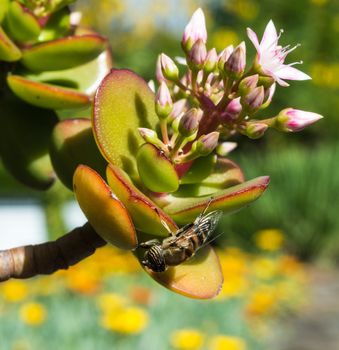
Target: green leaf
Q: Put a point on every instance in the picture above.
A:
(103, 209)
(85, 78)
(21, 25)
(46, 95)
(199, 170)
(63, 53)
(24, 137)
(9, 52)
(155, 170)
(122, 104)
(185, 210)
(146, 215)
(3, 9)
(72, 144)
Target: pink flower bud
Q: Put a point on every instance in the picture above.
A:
(169, 69)
(163, 101)
(255, 98)
(211, 61)
(189, 122)
(225, 148)
(292, 120)
(236, 63)
(255, 130)
(197, 55)
(224, 56)
(179, 107)
(232, 111)
(247, 84)
(207, 143)
(158, 71)
(195, 30)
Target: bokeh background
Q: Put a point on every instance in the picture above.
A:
(279, 256)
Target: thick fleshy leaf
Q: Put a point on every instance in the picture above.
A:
(155, 170)
(24, 138)
(46, 95)
(146, 214)
(85, 78)
(21, 25)
(103, 209)
(122, 104)
(63, 53)
(72, 144)
(201, 168)
(185, 210)
(199, 277)
(9, 52)
(3, 9)
(58, 25)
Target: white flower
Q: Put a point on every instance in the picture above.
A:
(271, 56)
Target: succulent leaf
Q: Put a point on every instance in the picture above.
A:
(20, 24)
(123, 103)
(199, 170)
(46, 95)
(146, 214)
(155, 170)
(103, 209)
(185, 210)
(9, 52)
(63, 53)
(24, 142)
(72, 144)
(3, 9)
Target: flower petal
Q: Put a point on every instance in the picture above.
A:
(253, 37)
(270, 36)
(291, 73)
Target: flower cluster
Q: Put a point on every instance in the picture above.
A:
(217, 97)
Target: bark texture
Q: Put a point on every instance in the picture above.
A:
(47, 258)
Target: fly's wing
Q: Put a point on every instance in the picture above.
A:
(204, 225)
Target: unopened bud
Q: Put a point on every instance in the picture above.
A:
(168, 68)
(150, 136)
(224, 148)
(206, 143)
(255, 98)
(255, 130)
(224, 56)
(163, 101)
(266, 81)
(158, 71)
(268, 96)
(197, 55)
(179, 107)
(189, 122)
(232, 111)
(211, 61)
(194, 30)
(235, 65)
(292, 120)
(247, 84)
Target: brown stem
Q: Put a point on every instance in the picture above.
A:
(47, 258)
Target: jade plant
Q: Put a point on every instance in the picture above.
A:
(48, 64)
(166, 145)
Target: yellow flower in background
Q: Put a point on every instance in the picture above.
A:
(223, 37)
(245, 9)
(33, 314)
(187, 339)
(262, 301)
(129, 320)
(14, 291)
(319, 2)
(233, 286)
(225, 342)
(82, 281)
(111, 301)
(264, 268)
(271, 239)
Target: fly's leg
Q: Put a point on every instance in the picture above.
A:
(204, 211)
(164, 223)
(149, 244)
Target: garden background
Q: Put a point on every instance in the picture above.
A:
(265, 283)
